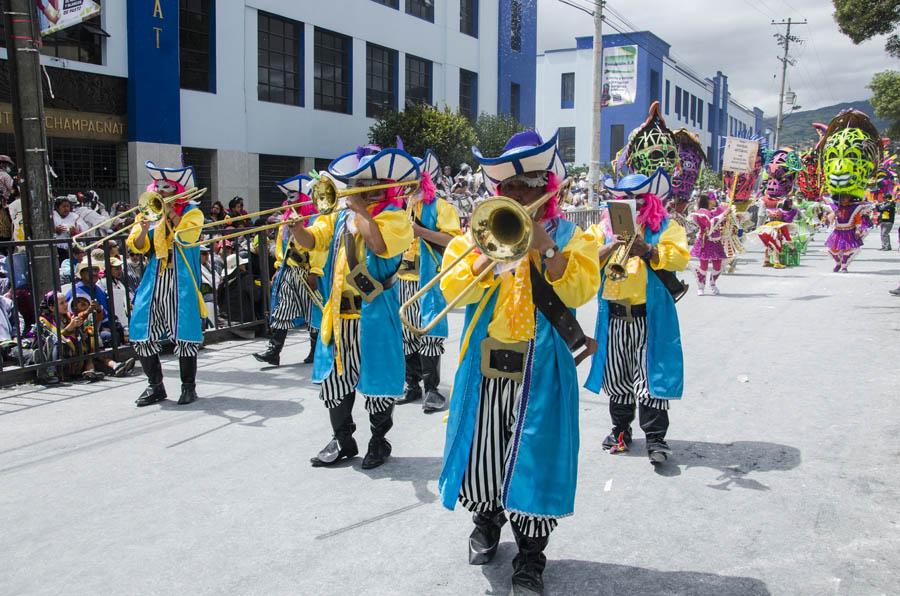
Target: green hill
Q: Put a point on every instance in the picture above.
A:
(797, 130)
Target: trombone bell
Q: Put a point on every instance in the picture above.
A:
(501, 229)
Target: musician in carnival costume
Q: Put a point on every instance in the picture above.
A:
(435, 223)
(512, 433)
(168, 303)
(851, 150)
(297, 273)
(360, 346)
(639, 363)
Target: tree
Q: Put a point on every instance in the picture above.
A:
(863, 19)
(885, 87)
(421, 127)
(493, 131)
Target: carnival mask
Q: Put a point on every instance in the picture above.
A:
(690, 158)
(743, 186)
(850, 153)
(652, 146)
(165, 188)
(780, 174)
(808, 178)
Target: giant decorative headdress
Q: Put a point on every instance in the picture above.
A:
(690, 159)
(651, 146)
(781, 172)
(851, 150)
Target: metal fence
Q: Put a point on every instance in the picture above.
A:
(234, 282)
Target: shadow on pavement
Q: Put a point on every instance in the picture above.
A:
(418, 471)
(726, 294)
(810, 297)
(571, 576)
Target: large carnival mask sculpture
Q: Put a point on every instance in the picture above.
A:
(883, 184)
(808, 179)
(651, 146)
(851, 150)
(781, 173)
(691, 158)
(740, 188)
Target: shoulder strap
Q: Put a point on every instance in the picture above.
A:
(552, 307)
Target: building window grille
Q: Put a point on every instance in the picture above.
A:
(332, 64)
(423, 9)
(468, 17)
(468, 93)
(381, 80)
(566, 141)
(279, 60)
(418, 80)
(196, 43)
(567, 91)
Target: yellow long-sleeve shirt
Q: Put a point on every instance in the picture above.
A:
(187, 231)
(673, 256)
(317, 258)
(578, 284)
(447, 222)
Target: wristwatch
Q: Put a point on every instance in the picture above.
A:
(551, 252)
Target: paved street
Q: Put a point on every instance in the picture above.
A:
(784, 478)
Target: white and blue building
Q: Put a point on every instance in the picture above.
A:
(688, 100)
(254, 91)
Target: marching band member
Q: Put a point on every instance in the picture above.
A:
(512, 434)
(360, 344)
(297, 272)
(168, 303)
(435, 224)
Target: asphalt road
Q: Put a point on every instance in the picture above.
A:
(784, 478)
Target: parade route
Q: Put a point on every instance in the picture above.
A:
(783, 479)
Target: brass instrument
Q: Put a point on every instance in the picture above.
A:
(615, 267)
(621, 219)
(502, 230)
(230, 220)
(151, 207)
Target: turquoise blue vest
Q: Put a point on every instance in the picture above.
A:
(542, 470)
(382, 365)
(433, 301)
(188, 325)
(665, 361)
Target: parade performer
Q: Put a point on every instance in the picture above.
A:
(360, 345)
(740, 187)
(168, 303)
(781, 173)
(512, 433)
(691, 158)
(435, 223)
(709, 248)
(851, 150)
(297, 273)
(776, 232)
(883, 197)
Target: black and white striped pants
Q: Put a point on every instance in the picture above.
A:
(335, 386)
(412, 343)
(625, 375)
(491, 447)
(163, 320)
(293, 299)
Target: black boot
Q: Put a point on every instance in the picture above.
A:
(655, 424)
(379, 447)
(431, 376)
(528, 565)
(188, 366)
(485, 538)
(413, 378)
(155, 391)
(619, 439)
(313, 339)
(342, 445)
(272, 355)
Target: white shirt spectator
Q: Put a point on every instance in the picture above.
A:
(69, 222)
(15, 214)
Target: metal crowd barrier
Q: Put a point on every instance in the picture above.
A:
(237, 300)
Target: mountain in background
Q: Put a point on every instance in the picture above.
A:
(797, 130)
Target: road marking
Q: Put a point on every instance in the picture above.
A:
(608, 486)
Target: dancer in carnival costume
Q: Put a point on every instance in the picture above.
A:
(360, 345)
(639, 363)
(297, 273)
(709, 249)
(512, 432)
(435, 223)
(168, 303)
(776, 232)
(851, 150)
(781, 173)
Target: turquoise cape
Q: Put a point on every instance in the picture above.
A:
(433, 301)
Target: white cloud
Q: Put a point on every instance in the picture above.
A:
(736, 37)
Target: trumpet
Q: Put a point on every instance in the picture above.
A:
(502, 230)
(151, 207)
(615, 268)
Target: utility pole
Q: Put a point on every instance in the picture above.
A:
(594, 168)
(785, 42)
(24, 68)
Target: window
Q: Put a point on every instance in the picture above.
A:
(468, 93)
(685, 110)
(709, 112)
(279, 60)
(667, 98)
(321, 163)
(677, 102)
(700, 114)
(201, 159)
(514, 101)
(272, 169)
(332, 68)
(418, 80)
(515, 26)
(566, 143)
(567, 91)
(391, 3)
(468, 17)
(616, 140)
(80, 43)
(197, 45)
(424, 9)
(381, 80)
(693, 109)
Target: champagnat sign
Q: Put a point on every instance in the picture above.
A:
(619, 75)
(56, 15)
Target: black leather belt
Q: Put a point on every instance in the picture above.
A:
(507, 361)
(351, 305)
(627, 311)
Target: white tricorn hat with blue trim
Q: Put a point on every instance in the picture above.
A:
(183, 176)
(294, 184)
(524, 152)
(371, 162)
(430, 164)
(638, 184)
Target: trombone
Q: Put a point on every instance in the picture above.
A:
(501, 230)
(151, 205)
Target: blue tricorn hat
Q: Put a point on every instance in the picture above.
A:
(374, 163)
(183, 176)
(298, 184)
(524, 152)
(639, 184)
(430, 164)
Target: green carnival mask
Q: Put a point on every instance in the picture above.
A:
(652, 146)
(849, 155)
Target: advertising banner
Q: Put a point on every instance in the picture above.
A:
(619, 76)
(56, 15)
